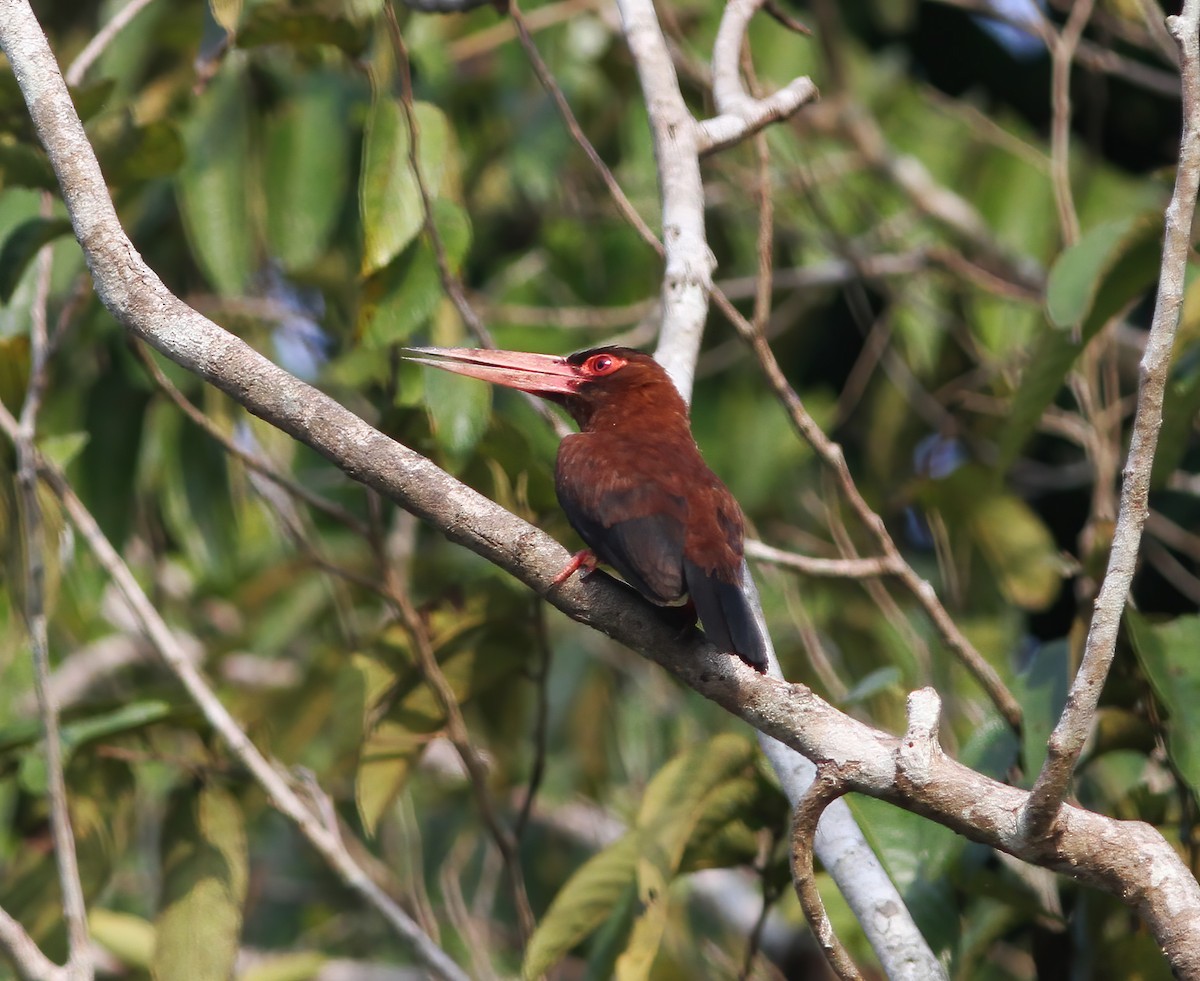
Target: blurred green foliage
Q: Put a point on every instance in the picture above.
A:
(267, 176)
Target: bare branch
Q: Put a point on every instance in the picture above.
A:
(686, 288)
(1062, 53)
(1128, 859)
(104, 37)
(687, 278)
(739, 113)
(27, 956)
(815, 566)
(32, 532)
(79, 964)
(624, 205)
(824, 790)
(1042, 814)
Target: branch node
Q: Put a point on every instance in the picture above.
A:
(739, 114)
(919, 748)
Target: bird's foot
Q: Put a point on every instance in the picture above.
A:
(584, 559)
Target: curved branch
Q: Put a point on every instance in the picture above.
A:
(1066, 742)
(824, 791)
(739, 113)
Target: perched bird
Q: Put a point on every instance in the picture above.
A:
(632, 481)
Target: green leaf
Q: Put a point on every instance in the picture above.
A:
(399, 712)
(1181, 403)
(226, 12)
(127, 718)
(390, 199)
(20, 247)
(1020, 550)
(587, 900)
(458, 408)
(275, 24)
(1079, 270)
(127, 937)
(687, 798)
(23, 165)
(684, 790)
(204, 887)
(404, 294)
(1167, 652)
(213, 191)
(385, 762)
(79, 732)
(62, 449)
(918, 856)
(92, 97)
(650, 923)
(115, 410)
(306, 169)
(129, 153)
(1127, 272)
(14, 371)
(1041, 688)
(285, 967)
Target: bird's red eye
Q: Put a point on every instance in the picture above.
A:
(603, 364)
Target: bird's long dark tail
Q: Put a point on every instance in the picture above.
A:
(727, 616)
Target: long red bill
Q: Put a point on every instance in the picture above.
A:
(538, 374)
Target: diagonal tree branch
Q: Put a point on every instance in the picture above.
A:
(1066, 742)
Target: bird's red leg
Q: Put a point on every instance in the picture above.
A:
(584, 559)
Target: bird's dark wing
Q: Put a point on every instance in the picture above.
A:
(725, 614)
(641, 538)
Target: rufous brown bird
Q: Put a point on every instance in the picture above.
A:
(632, 481)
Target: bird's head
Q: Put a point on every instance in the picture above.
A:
(597, 387)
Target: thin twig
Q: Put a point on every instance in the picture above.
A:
(103, 38)
(473, 930)
(1093, 56)
(230, 446)
(688, 261)
(26, 955)
(450, 281)
(812, 565)
(1142, 868)
(22, 434)
(825, 789)
(544, 75)
(541, 681)
(1066, 742)
(739, 113)
(766, 223)
(771, 891)
(460, 736)
(831, 454)
(1062, 54)
(326, 841)
(491, 37)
